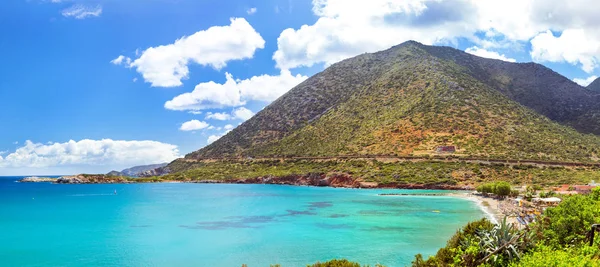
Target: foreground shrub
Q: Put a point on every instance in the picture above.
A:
(339, 263)
(458, 245)
(568, 223)
(544, 256)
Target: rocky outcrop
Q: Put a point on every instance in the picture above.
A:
(91, 179)
(34, 179)
(114, 173)
(142, 171)
(314, 179)
(155, 172)
(332, 180)
(594, 86)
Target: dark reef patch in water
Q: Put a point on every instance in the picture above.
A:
(235, 222)
(372, 212)
(388, 228)
(299, 212)
(320, 205)
(338, 215)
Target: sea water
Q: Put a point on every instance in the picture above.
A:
(178, 224)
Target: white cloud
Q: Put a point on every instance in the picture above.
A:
(268, 88)
(572, 46)
(89, 152)
(208, 95)
(195, 112)
(216, 137)
(81, 12)
(348, 28)
(213, 138)
(167, 65)
(243, 113)
(193, 125)
(585, 82)
(480, 52)
(218, 116)
(228, 127)
(235, 93)
(251, 11)
(120, 60)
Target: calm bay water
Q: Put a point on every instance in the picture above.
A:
(219, 225)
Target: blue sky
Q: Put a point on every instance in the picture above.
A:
(91, 86)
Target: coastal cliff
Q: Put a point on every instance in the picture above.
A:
(34, 179)
(92, 179)
(335, 180)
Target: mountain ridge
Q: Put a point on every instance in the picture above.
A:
(137, 171)
(594, 86)
(411, 98)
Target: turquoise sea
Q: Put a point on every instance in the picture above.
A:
(45, 224)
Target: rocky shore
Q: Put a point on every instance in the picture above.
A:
(92, 179)
(332, 180)
(34, 179)
(338, 180)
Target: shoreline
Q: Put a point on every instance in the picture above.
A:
(488, 205)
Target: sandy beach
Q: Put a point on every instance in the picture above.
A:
(495, 209)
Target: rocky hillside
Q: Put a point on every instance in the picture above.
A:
(138, 171)
(594, 86)
(412, 98)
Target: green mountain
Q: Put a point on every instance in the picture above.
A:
(412, 98)
(594, 86)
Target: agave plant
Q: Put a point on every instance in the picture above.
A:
(503, 242)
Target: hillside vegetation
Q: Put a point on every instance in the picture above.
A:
(386, 174)
(412, 98)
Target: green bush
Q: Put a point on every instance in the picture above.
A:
(339, 263)
(545, 256)
(458, 245)
(502, 189)
(568, 223)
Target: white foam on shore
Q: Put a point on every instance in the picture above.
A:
(483, 208)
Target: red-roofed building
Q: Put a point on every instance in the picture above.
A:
(577, 189)
(445, 149)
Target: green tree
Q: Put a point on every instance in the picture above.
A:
(502, 189)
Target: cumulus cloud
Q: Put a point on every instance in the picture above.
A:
(221, 116)
(193, 125)
(81, 11)
(235, 93)
(228, 127)
(243, 113)
(251, 10)
(572, 46)
(480, 52)
(105, 152)
(121, 60)
(167, 65)
(586, 81)
(215, 137)
(348, 28)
